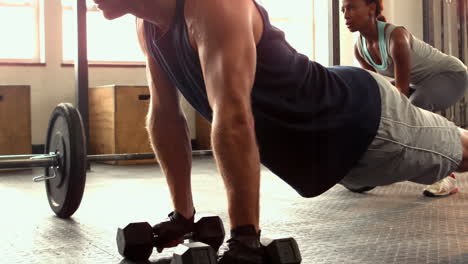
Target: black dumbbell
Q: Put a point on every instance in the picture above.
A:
(282, 251)
(136, 240)
(194, 252)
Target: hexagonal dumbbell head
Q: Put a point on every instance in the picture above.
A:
(194, 253)
(135, 241)
(282, 251)
(210, 230)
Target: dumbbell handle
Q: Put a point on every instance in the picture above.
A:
(191, 237)
(205, 224)
(188, 236)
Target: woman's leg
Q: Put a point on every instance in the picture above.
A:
(464, 141)
(435, 94)
(441, 91)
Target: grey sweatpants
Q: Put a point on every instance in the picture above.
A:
(441, 91)
(412, 144)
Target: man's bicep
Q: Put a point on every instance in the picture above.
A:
(227, 53)
(228, 70)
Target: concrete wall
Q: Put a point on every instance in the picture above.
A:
(406, 13)
(446, 35)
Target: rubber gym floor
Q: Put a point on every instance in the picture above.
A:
(391, 224)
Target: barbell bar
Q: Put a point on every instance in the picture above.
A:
(48, 160)
(65, 160)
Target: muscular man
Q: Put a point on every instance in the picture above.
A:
(312, 126)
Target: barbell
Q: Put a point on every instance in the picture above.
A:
(65, 160)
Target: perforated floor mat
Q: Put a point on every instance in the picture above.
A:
(391, 224)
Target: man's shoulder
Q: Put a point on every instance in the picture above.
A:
(217, 8)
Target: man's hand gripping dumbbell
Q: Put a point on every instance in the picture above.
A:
(137, 240)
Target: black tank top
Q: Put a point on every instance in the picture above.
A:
(312, 123)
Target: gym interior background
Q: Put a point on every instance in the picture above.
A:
(393, 224)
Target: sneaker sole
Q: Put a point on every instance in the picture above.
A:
(360, 190)
(429, 194)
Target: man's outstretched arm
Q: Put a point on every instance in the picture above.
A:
(169, 133)
(223, 35)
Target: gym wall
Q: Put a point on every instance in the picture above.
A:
(53, 83)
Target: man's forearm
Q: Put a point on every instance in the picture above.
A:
(171, 140)
(237, 156)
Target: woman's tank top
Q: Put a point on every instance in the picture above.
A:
(426, 61)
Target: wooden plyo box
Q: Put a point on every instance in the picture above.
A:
(117, 115)
(15, 119)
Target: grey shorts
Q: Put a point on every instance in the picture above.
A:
(412, 144)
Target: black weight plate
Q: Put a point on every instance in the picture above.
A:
(65, 136)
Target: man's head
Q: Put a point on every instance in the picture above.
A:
(359, 13)
(113, 9)
(158, 12)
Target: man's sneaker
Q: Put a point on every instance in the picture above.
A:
(243, 248)
(170, 233)
(444, 187)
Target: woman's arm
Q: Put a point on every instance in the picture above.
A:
(400, 50)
